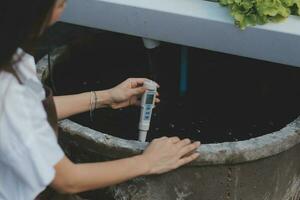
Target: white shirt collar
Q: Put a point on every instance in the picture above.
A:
(25, 66)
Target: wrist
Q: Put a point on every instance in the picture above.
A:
(103, 99)
(143, 165)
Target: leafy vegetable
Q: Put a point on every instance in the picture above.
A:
(251, 12)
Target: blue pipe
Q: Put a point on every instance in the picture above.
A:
(183, 84)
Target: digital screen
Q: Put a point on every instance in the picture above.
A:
(149, 99)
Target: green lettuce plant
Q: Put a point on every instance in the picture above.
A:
(252, 12)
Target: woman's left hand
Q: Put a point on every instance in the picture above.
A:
(128, 93)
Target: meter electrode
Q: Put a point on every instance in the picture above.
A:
(147, 104)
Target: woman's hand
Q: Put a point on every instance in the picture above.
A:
(165, 154)
(128, 93)
(162, 155)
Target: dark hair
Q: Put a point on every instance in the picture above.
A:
(21, 24)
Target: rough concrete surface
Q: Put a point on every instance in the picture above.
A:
(263, 168)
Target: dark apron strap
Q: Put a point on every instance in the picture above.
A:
(50, 109)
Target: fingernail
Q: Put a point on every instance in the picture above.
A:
(198, 143)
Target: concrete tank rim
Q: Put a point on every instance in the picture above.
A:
(210, 154)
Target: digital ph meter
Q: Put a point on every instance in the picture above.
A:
(147, 105)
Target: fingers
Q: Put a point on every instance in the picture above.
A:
(187, 159)
(174, 140)
(167, 154)
(188, 149)
(183, 143)
(138, 91)
(157, 85)
(162, 138)
(136, 82)
(139, 81)
(137, 103)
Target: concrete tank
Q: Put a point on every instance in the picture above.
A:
(261, 168)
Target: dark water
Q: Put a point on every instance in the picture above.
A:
(229, 98)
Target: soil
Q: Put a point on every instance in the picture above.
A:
(229, 98)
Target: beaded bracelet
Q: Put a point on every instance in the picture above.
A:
(93, 104)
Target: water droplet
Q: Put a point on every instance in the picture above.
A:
(156, 129)
(84, 83)
(229, 133)
(236, 140)
(198, 131)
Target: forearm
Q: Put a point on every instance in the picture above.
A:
(74, 104)
(85, 177)
(99, 175)
(162, 155)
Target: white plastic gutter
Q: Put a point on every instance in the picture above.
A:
(195, 23)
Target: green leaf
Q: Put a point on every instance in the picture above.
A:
(252, 12)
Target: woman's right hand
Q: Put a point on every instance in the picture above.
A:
(166, 154)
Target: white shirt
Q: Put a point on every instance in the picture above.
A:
(28, 145)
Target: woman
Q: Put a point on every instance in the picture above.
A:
(30, 157)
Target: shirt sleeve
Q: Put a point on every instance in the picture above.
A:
(27, 142)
